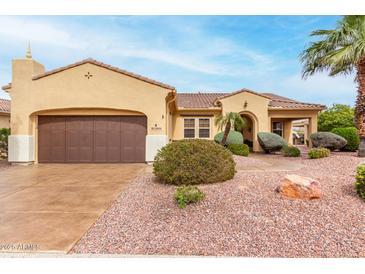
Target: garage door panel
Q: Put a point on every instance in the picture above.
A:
(100, 139)
(91, 139)
(51, 136)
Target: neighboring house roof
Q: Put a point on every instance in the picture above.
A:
(207, 100)
(4, 106)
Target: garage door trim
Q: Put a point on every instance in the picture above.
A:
(80, 135)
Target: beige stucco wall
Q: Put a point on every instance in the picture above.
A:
(252, 105)
(178, 121)
(287, 128)
(70, 89)
(4, 120)
(312, 115)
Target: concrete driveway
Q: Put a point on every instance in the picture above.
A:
(48, 207)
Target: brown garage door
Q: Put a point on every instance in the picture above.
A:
(86, 139)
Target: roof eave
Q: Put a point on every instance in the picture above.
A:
(199, 109)
(309, 108)
(6, 88)
(106, 66)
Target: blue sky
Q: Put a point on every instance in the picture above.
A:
(192, 53)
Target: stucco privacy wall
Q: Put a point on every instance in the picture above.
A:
(255, 106)
(71, 90)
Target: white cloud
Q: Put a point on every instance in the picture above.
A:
(325, 89)
(28, 29)
(192, 48)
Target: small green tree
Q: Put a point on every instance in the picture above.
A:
(4, 133)
(337, 116)
(229, 121)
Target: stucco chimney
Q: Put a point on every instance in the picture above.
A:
(23, 70)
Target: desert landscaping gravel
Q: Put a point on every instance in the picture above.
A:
(241, 217)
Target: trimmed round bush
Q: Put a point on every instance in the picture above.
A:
(351, 136)
(316, 153)
(360, 180)
(328, 140)
(270, 142)
(290, 151)
(189, 162)
(239, 149)
(234, 137)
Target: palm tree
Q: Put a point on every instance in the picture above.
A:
(231, 120)
(341, 51)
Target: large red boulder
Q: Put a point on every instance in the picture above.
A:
(299, 187)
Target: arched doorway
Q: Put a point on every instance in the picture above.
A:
(248, 130)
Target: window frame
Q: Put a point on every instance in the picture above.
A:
(197, 127)
(191, 127)
(273, 129)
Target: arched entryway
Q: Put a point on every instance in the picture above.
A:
(250, 129)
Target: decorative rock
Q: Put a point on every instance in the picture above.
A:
(299, 187)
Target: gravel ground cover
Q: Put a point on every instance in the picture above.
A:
(240, 217)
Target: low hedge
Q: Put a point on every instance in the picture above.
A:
(187, 162)
(234, 137)
(290, 151)
(239, 149)
(185, 195)
(360, 180)
(316, 153)
(350, 135)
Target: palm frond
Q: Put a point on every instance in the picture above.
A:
(338, 51)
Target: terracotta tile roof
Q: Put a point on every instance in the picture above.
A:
(280, 102)
(100, 64)
(197, 100)
(4, 106)
(206, 100)
(242, 90)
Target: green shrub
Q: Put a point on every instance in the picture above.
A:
(234, 137)
(351, 136)
(328, 140)
(239, 149)
(360, 180)
(270, 142)
(336, 116)
(316, 153)
(290, 151)
(188, 194)
(187, 162)
(4, 134)
(249, 143)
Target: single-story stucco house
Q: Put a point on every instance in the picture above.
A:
(92, 112)
(4, 113)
